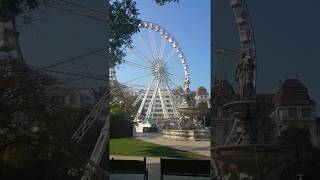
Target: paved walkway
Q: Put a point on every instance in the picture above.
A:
(153, 163)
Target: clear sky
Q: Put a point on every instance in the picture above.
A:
(287, 38)
(61, 35)
(190, 26)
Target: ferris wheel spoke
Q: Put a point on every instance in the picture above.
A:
(137, 78)
(162, 48)
(140, 55)
(177, 76)
(174, 84)
(158, 98)
(131, 63)
(169, 56)
(131, 85)
(144, 44)
(152, 43)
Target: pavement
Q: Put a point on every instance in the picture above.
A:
(153, 163)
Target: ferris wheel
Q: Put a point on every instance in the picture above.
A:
(157, 66)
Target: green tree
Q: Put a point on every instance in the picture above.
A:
(123, 22)
(38, 147)
(202, 113)
(301, 157)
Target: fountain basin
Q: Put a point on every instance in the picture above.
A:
(187, 134)
(251, 158)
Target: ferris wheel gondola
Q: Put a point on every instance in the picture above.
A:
(162, 70)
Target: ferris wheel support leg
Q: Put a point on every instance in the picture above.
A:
(163, 105)
(171, 102)
(152, 102)
(138, 99)
(143, 101)
(98, 151)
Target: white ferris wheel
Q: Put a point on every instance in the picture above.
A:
(157, 66)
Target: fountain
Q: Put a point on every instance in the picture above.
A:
(187, 127)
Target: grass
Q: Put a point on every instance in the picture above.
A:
(136, 147)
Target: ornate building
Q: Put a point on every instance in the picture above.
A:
(290, 105)
(202, 96)
(293, 106)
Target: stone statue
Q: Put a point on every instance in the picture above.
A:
(245, 76)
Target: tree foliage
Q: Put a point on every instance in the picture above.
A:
(162, 2)
(300, 156)
(11, 8)
(34, 134)
(124, 23)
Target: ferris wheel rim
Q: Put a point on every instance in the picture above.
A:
(170, 39)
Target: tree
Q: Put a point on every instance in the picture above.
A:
(301, 157)
(12, 8)
(123, 22)
(202, 113)
(37, 145)
(295, 139)
(162, 2)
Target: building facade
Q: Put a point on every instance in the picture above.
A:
(290, 105)
(74, 97)
(202, 96)
(293, 106)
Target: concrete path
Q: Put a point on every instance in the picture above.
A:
(200, 147)
(153, 163)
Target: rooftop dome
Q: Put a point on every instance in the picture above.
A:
(292, 92)
(202, 91)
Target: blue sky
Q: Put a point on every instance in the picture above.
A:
(190, 26)
(61, 35)
(287, 38)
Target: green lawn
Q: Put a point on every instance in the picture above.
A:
(136, 147)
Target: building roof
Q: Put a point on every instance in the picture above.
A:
(292, 92)
(202, 91)
(223, 92)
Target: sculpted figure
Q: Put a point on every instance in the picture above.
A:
(245, 76)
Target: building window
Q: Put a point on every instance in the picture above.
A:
(305, 112)
(292, 112)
